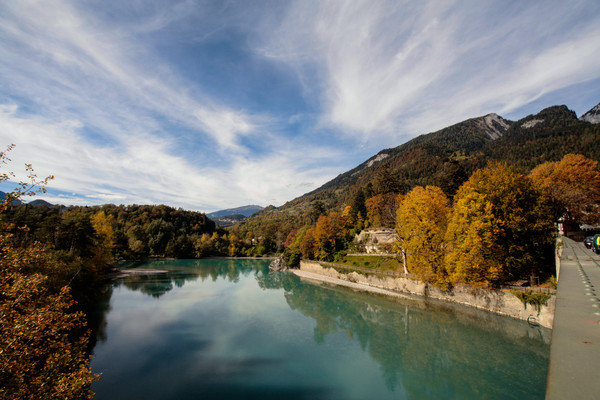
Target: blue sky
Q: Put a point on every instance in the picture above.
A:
(208, 105)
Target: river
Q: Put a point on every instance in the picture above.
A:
(222, 329)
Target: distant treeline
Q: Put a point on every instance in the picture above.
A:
(101, 234)
(128, 232)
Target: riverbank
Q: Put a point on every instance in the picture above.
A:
(499, 301)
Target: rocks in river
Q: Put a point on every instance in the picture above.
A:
(278, 264)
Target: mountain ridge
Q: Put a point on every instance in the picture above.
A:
(479, 130)
(444, 158)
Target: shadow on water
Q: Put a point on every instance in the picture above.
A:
(425, 349)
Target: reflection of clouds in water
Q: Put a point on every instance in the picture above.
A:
(193, 295)
(247, 302)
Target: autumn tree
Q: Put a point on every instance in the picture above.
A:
(572, 186)
(500, 229)
(103, 226)
(307, 244)
(289, 239)
(421, 226)
(137, 241)
(325, 235)
(381, 210)
(42, 351)
(39, 357)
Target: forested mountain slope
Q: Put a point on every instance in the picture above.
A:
(445, 158)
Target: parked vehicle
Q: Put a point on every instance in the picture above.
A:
(596, 244)
(588, 241)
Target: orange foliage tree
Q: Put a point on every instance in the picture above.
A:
(573, 187)
(381, 210)
(307, 243)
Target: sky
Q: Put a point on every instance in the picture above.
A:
(207, 105)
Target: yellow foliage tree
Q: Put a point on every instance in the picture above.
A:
(500, 229)
(103, 225)
(421, 223)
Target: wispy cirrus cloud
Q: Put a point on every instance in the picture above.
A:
(108, 115)
(102, 74)
(387, 67)
(144, 172)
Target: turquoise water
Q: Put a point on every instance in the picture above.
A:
(230, 329)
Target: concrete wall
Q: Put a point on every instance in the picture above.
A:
(498, 301)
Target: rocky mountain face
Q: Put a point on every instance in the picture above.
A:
(592, 116)
(493, 124)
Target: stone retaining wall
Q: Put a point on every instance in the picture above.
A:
(498, 301)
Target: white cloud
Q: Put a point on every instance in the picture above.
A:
(144, 171)
(224, 126)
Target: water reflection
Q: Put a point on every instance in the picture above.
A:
(241, 335)
(455, 350)
(177, 273)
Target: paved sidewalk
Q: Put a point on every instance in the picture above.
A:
(575, 350)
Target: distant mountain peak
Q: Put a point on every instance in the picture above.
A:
(493, 124)
(3, 198)
(592, 116)
(39, 203)
(244, 210)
